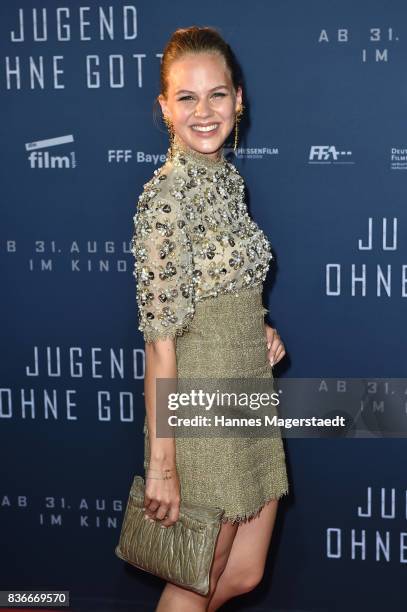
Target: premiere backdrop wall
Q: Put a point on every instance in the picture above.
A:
(324, 157)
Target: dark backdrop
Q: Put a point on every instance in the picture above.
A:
(323, 155)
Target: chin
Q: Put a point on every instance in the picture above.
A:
(207, 145)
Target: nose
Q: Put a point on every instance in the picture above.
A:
(202, 109)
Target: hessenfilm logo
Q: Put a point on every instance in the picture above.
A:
(38, 158)
(250, 152)
(328, 154)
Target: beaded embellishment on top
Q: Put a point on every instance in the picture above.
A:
(193, 240)
(180, 149)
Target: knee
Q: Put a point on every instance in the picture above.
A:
(244, 582)
(247, 581)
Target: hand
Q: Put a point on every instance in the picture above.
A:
(276, 350)
(162, 496)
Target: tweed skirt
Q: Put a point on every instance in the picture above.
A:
(226, 339)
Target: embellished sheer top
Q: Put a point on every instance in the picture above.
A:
(193, 240)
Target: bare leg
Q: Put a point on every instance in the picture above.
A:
(177, 599)
(245, 566)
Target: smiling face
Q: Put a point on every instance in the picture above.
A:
(201, 101)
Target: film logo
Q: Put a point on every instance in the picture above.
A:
(40, 157)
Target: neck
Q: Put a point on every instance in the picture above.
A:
(180, 148)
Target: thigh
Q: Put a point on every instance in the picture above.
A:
(175, 597)
(251, 542)
(223, 547)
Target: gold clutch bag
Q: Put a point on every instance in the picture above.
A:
(182, 553)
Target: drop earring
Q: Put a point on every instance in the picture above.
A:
(170, 128)
(238, 117)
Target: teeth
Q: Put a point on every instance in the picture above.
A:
(201, 128)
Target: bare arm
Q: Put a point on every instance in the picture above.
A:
(162, 497)
(160, 363)
(163, 269)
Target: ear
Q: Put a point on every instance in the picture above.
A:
(239, 98)
(164, 106)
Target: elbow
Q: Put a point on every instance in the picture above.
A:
(161, 354)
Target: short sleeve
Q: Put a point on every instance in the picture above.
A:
(163, 266)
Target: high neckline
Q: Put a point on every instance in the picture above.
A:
(180, 149)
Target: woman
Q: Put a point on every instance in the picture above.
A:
(200, 263)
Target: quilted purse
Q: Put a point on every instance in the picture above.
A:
(182, 553)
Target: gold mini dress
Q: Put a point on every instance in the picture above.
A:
(200, 264)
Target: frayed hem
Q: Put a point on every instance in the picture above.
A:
(247, 516)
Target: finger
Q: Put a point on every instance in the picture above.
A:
(148, 517)
(173, 516)
(273, 351)
(161, 512)
(271, 336)
(150, 510)
(272, 346)
(279, 354)
(146, 505)
(153, 507)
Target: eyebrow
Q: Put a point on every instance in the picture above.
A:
(188, 91)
